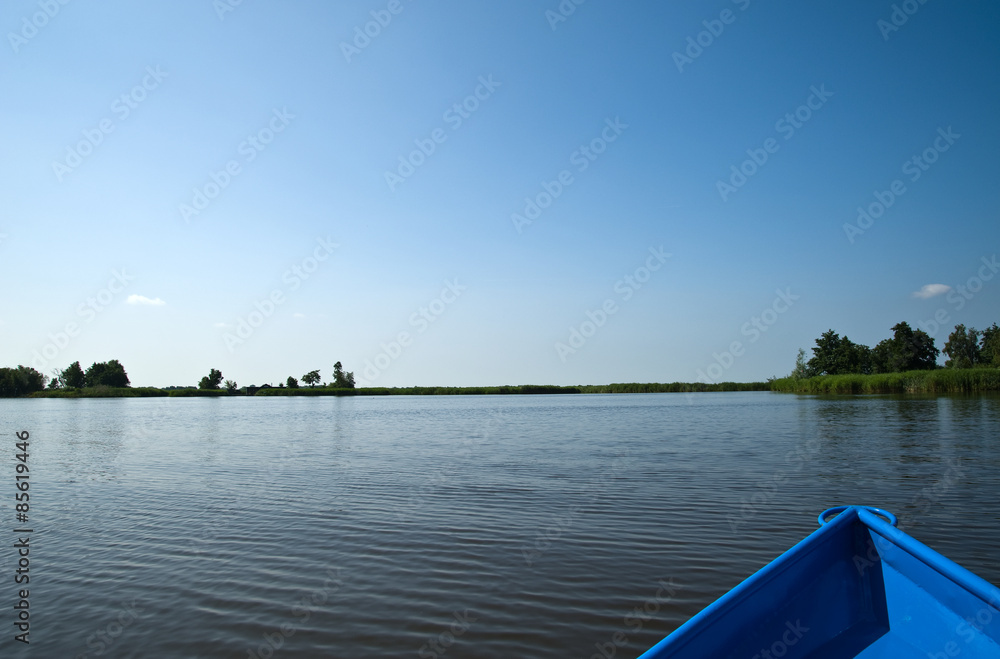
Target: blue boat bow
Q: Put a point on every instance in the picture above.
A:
(856, 587)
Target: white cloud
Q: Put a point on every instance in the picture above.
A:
(142, 299)
(931, 290)
(221, 325)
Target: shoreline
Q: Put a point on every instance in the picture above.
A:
(938, 381)
(512, 390)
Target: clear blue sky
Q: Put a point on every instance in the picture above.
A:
(329, 121)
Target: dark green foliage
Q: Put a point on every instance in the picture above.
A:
(672, 387)
(342, 380)
(907, 350)
(212, 380)
(20, 381)
(311, 378)
(292, 383)
(73, 377)
(108, 374)
(989, 348)
(231, 386)
(962, 348)
(938, 381)
(104, 392)
(195, 393)
(835, 355)
(527, 389)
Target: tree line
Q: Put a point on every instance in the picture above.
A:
(24, 380)
(341, 380)
(907, 350)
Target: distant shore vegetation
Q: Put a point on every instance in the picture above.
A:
(906, 363)
(903, 363)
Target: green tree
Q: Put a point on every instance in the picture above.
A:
(907, 350)
(836, 355)
(73, 377)
(342, 380)
(801, 369)
(292, 382)
(962, 348)
(20, 381)
(108, 374)
(311, 378)
(231, 386)
(212, 380)
(989, 348)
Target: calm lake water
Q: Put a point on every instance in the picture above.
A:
(455, 526)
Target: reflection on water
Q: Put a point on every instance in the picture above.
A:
(461, 526)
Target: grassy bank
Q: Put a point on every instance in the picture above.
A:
(940, 381)
(420, 391)
(101, 392)
(672, 387)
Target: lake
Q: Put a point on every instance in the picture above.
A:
(465, 526)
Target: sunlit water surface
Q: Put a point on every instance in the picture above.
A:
(455, 526)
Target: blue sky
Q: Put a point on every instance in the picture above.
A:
(117, 116)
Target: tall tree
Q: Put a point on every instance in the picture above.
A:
(907, 350)
(212, 380)
(836, 355)
(73, 376)
(292, 382)
(962, 348)
(231, 386)
(342, 380)
(108, 374)
(311, 378)
(989, 348)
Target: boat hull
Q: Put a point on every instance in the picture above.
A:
(856, 587)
